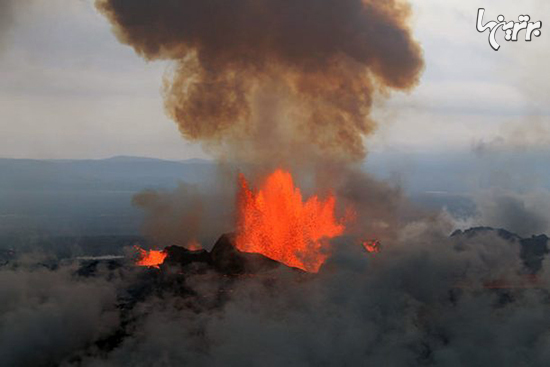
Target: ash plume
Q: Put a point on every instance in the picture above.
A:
(258, 79)
(6, 19)
(185, 215)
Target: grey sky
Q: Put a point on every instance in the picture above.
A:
(69, 89)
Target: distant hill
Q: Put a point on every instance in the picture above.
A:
(113, 174)
(93, 197)
(85, 196)
(532, 249)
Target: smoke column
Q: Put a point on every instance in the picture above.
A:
(6, 20)
(259, 79)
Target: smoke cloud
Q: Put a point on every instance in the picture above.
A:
(268, 84)
(186, 215)
(6, 19)
(48, 314)
(531, 134)
(526, 214)
(261, 80)
(399, 307)
(421, 301)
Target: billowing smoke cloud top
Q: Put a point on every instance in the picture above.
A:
(6, 14)
(268, 80)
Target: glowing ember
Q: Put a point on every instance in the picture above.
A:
(194, 245)
(372, 246)
(277, 223)
(151, 258)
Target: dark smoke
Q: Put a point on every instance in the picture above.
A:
(6, 19)
(273, 75)
(526, 214)
(187, 214)
(47, 314)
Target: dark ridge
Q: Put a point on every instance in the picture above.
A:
(532, 249)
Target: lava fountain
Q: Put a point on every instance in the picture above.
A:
(151, 258)
(276, 222)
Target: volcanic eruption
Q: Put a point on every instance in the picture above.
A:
(289, 254)
(281, 88)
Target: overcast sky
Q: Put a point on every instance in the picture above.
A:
(69, 89)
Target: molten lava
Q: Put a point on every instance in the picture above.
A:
(372, 246)
(276, 222)
(151, 258)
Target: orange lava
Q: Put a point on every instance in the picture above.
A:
(151, 258)
(372, 246)
(276, 222)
